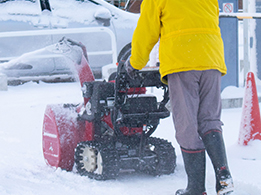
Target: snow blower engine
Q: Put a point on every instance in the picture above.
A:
(111, 131)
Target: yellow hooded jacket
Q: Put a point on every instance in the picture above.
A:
(189, 35)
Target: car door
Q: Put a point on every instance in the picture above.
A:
(20, 24)
(79, 15)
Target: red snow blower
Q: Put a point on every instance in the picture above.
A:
(111, 130)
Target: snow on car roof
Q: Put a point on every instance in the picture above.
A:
(19, 7)
(77, 11)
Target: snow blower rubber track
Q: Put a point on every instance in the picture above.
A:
(96, 160)
(102, 161)
(166, 157)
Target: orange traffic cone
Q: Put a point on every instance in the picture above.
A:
(250, 128)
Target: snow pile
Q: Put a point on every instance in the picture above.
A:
(232, 92)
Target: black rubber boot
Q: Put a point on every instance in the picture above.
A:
(215, 147)
(195, 166)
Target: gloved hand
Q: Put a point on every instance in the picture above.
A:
(132, 72)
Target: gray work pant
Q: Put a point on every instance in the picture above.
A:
(196, 105)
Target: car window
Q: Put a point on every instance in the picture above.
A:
(127, 5)
(45, 5)
(133, 6)
(118, 3)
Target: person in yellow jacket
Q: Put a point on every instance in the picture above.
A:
(191, 56)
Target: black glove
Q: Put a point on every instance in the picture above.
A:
(132, 72)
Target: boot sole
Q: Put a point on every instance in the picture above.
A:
(228, 189)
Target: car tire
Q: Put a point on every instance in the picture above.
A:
(125, 53)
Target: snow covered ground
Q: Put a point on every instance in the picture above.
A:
(24, 172)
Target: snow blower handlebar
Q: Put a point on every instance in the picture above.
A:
(135, 110)
(143, 78)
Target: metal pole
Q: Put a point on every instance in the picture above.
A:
(252, 38)
(246, 40)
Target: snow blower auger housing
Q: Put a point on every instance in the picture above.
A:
(111, 131)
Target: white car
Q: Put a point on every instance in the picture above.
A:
(29, 25)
